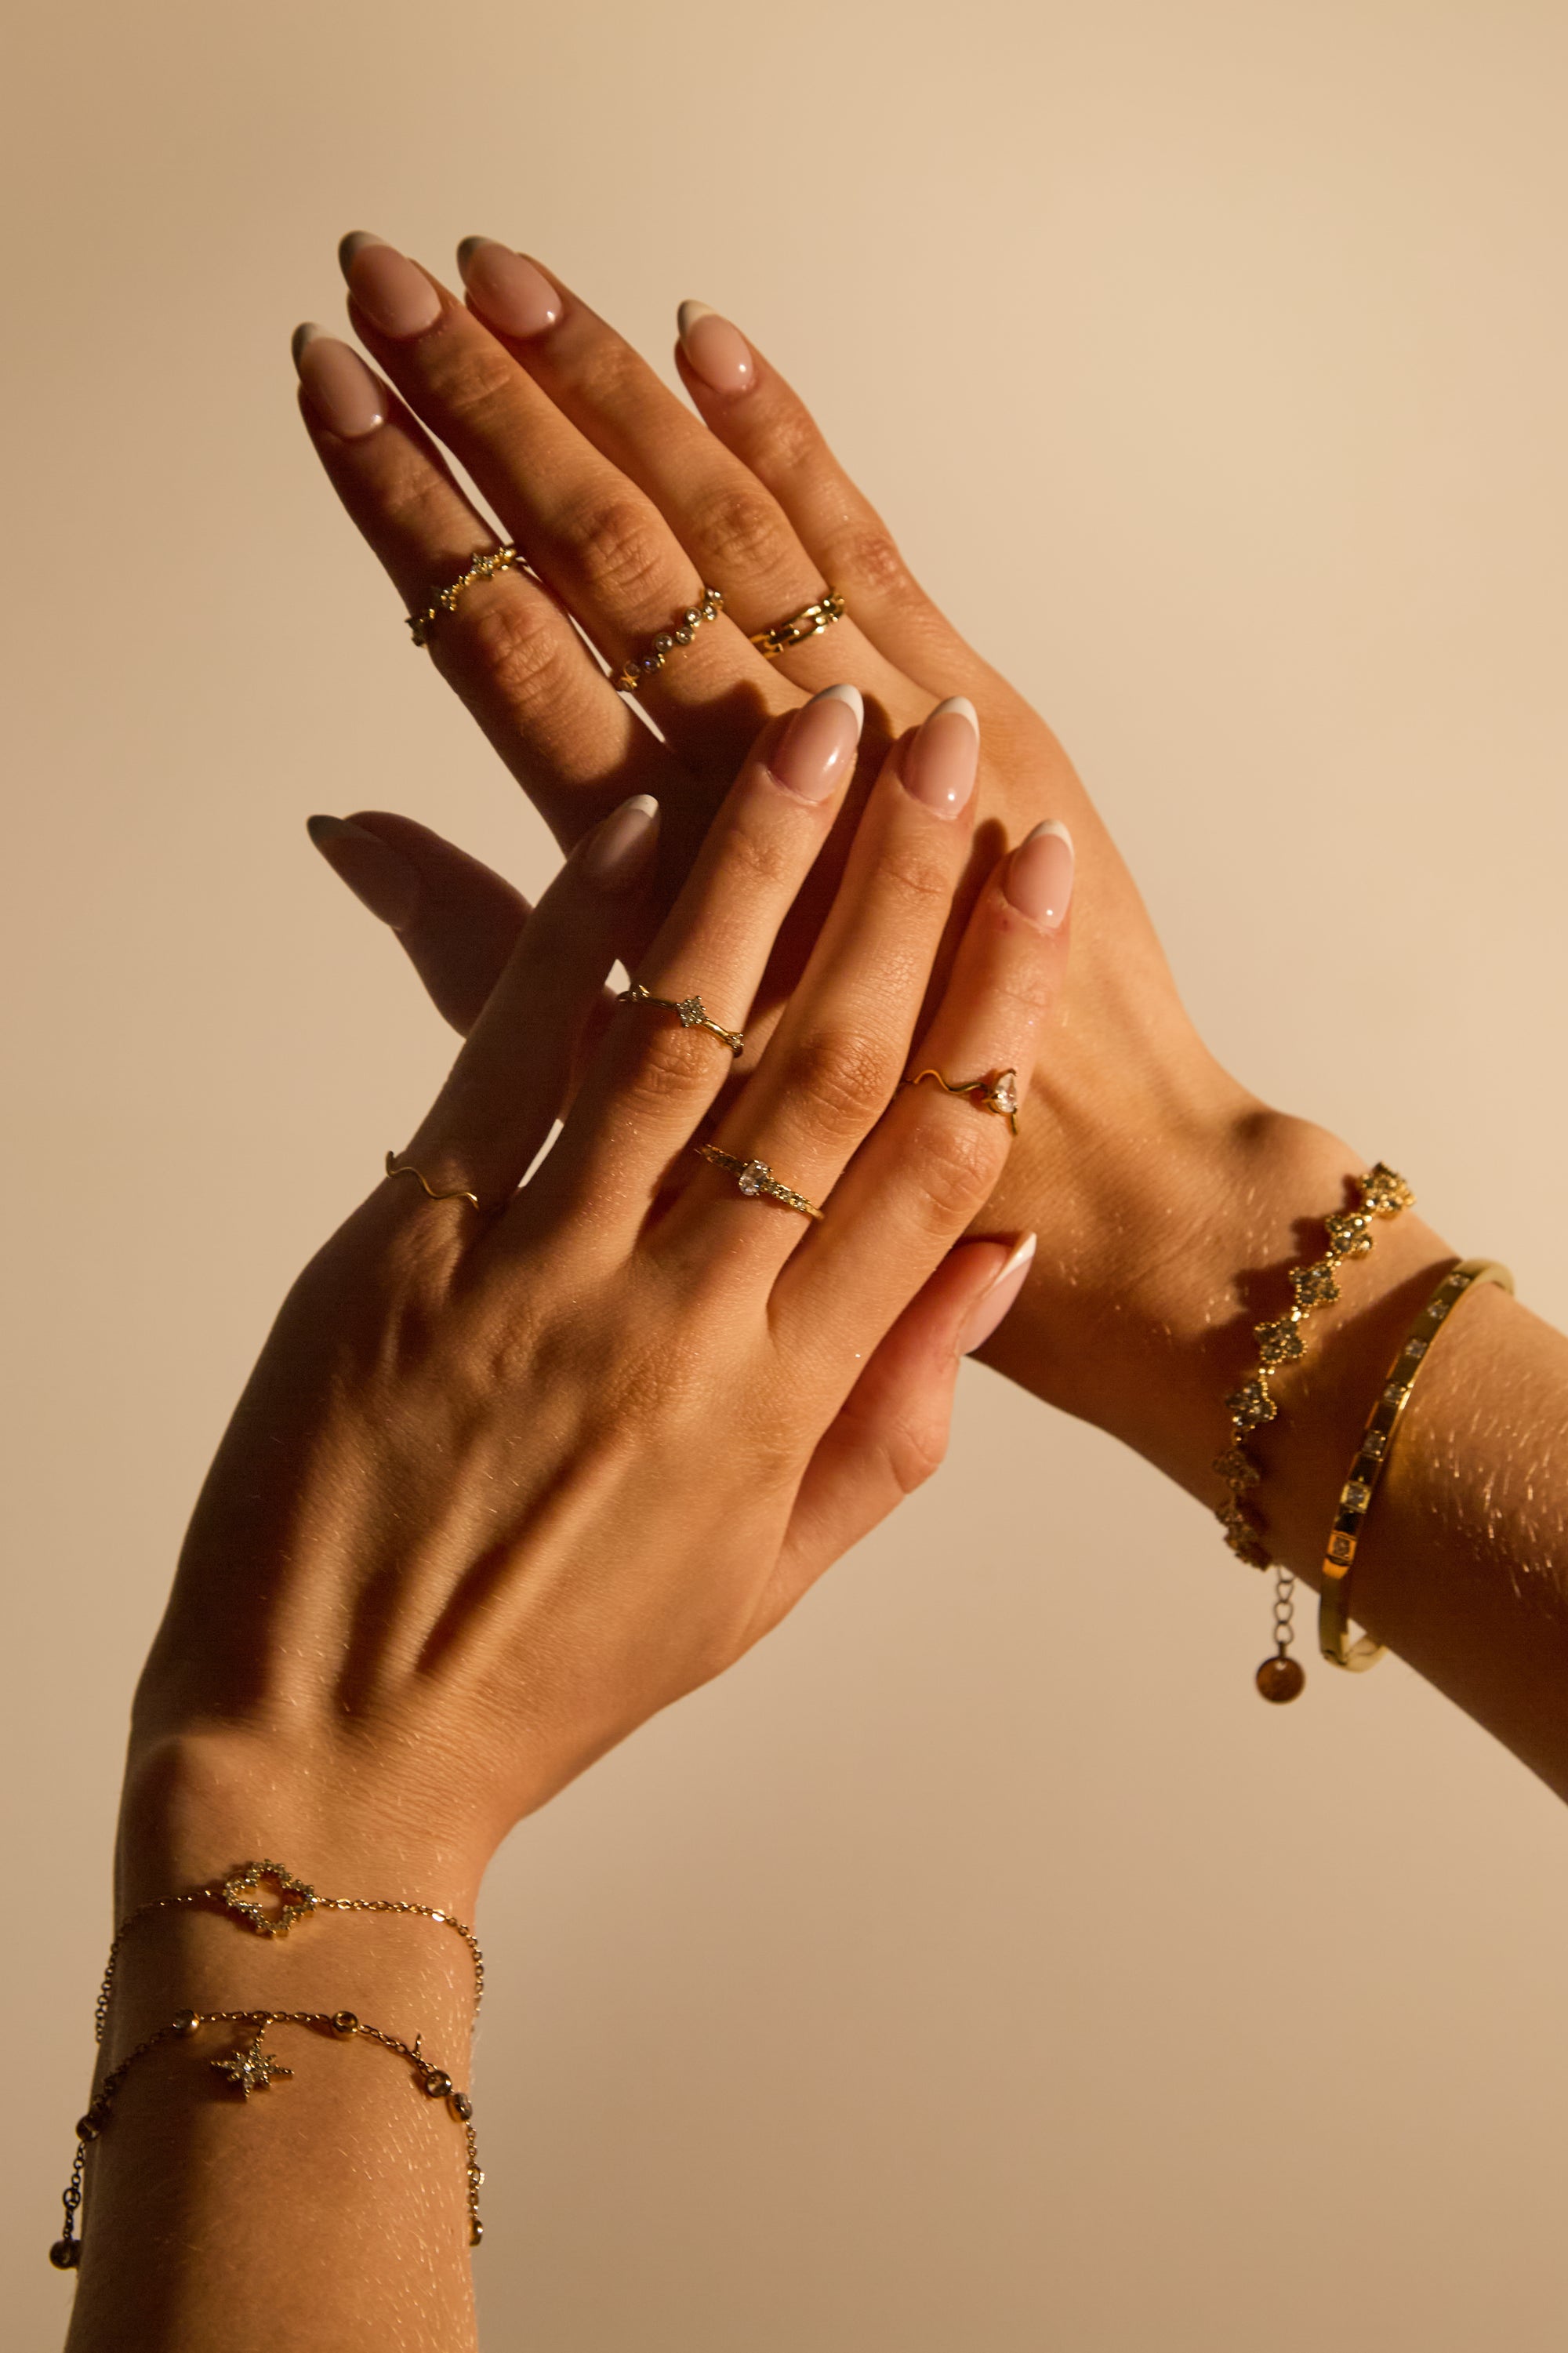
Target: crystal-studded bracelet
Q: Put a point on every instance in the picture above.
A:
(1383, 1194)
(250, 2068)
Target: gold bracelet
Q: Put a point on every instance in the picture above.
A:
(240, 1896)
(1383, 1195)
(249, 2068)
(1377, 1442)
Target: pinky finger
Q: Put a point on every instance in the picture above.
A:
(890, 1434)
(456, 920)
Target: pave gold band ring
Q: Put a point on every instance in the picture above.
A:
(395, 1168)
(756, 1180)
(642, 667)
(809, 622)
(694, 1014)
(483, 567)
(996, 1092)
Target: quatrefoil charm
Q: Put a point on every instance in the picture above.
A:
(242, 1897)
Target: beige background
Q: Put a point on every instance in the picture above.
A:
(980, 1965)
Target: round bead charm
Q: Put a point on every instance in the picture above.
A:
(344, 2022)
(438, 2084)
(462, 2106)
(1281, 1679)
(65, 2255)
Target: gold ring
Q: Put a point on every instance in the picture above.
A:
(669, 642)
(395, 1168)
(694, 1014)
(482, 566)
(998, 1091)
(756, 1180)
(809, 622)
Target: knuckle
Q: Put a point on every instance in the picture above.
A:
(914, 1451)
(740, 532)
(623, 550)
(844, 1079)
(662, 1068)
(516, 641)
(910, 871)
(865, 553)
(950, 1166)
(789, 443)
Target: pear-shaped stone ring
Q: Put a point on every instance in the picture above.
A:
(996, 1092)
(694, 1014)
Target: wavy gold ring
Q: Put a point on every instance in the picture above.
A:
(395, 1168)
(997, 1090)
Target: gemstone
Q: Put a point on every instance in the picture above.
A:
(692, 1011)
(1394, 1394)
(754, 1176)
(692, 616)
(1415, 1348)
(1348, 1235)
(1439, 1309)
(1357, 1495)
(462, 2106)
(682, 635)
(242, 1894)
(476, 2230)
(1375, 1443)
(344, 2022)
(65, 2255)
(1383, 1193)
(1314, 1285)
(1280, 1342)
(438, 2084)
(663, 643)
(250, 2070)
(1238, 1468)
(185, 2022)
(1251, 1404)
(1004, 1094)
(1340, 1548)
(88, 2128)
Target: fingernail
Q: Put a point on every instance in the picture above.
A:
(377, 876)
(820, 744)
(1037, 878)
(341, 389)
(508, 293)
(991, 1305)
(393, 294)
(617, 853)
(717, 351)
(939, 763)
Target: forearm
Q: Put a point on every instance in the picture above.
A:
(328, 2208)
(1463, 1567)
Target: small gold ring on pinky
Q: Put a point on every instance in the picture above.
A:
(483, 567)
(757, 1180)
(395, 1168)
(694, 1014)
(809, 622)
(997, 1093)
(641, 668)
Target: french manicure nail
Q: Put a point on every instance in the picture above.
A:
(377, 876)
(820, 744)
(336, 381)
(993, 1305)
(617, 853)
(940, 765)
(508, 293)
(717, 351)
(1038, 879)
(393, 294)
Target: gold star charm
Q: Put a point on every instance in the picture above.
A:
(250, 2069)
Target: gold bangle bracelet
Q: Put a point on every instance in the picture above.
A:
(1376, 1444)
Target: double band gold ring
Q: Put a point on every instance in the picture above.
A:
(694, 1014)
(996, 1092)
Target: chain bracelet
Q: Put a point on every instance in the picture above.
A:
(239, 1896)
(249, 2069)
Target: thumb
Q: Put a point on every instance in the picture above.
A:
(456, 920)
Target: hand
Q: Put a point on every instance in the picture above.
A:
(1153, 1176)
(509, 1478)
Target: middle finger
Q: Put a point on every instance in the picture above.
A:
(597, 540)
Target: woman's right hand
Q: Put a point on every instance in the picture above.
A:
(510, 1477)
